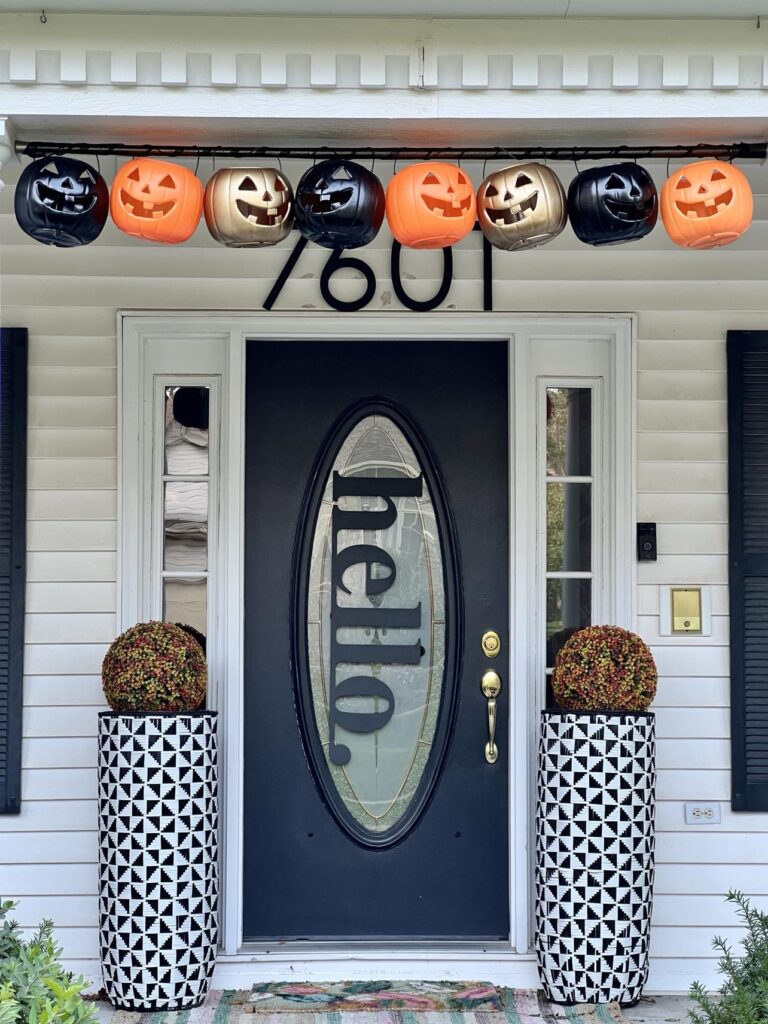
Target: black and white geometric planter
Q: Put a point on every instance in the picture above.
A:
(158, 858)
(595, 854)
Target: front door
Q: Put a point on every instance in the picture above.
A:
(376, 565)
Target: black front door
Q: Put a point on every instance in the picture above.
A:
(376, 563)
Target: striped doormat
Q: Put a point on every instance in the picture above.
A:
(482, 1004)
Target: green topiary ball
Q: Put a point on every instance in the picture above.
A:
(604, 668)
(154, 666)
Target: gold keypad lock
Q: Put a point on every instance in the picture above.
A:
(491, 644)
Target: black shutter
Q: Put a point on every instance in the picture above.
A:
(13, 486)
(748, 566)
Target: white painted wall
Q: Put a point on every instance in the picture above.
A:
(685, 303)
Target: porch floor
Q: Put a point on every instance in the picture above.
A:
(659, 1008)
(650, 1010)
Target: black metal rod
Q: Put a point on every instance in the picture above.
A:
(725, 151)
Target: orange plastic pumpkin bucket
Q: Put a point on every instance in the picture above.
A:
(706, 204)
(430, 205)
(156, 200)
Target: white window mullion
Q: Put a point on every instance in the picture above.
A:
(568, 479)
(569, 575)
(158, 468)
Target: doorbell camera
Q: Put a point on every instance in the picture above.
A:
(646, 542)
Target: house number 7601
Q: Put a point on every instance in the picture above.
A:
(338, 261)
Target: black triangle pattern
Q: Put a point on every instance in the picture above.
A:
(595, 844)
(158, 858)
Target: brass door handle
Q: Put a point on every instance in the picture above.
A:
(491, 687)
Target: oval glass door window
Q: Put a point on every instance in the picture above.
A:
(376, 652)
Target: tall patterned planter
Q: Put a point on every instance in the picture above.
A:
(595, 854)
(158, 858)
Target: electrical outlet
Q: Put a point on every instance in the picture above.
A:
(702, 814)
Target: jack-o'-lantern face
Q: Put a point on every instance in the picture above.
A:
(327, 194)
(706, 204)
(248, 206)
(522, 206)
(339, 204)
(444, 196)
(430, 205)
(610, 205)
(156, 200)
(61, 201)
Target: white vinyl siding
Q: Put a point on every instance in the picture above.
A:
(685, 304)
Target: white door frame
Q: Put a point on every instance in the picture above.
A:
(138, 335)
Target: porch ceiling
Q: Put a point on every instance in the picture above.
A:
(406, 8)
(314, 81)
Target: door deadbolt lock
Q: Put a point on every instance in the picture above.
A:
(491, 644)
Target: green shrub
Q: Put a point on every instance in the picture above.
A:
(9, 1007)
(34, 987)
(743, 996)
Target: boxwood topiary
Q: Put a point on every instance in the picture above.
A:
(604, 668)
(154, 666)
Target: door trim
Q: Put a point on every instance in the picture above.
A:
(136, 330)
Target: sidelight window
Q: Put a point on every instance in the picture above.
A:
(571, 544)
(171, 511)
(185, 486)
